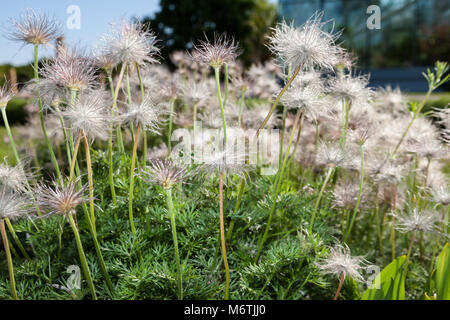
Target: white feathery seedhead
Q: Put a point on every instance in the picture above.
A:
(34, 28)
(222, 50)
(309, 45)
(196, 93)
(340, 262)
(61, 198)
(6, 94)
(229, 161)
(346, 195)
(416, 221)
(147, 113)
(441, 194)
(88, 115)
(13, 177)
(350, 88)
(71, 70)
(163, 173)
(330, 154)
(305, 99)
(129, 43)
(386, 171)
(390, 100)
(13, 205)
(444, 119)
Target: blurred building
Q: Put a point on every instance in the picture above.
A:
(412, 35)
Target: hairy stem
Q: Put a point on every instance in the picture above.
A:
(133, 163)
(41, 117)
(222, 237)
(12, 281)
(316, 206)
(84, 264)
(361, 180)
(175, 242)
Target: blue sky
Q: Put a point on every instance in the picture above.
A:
(96, 16)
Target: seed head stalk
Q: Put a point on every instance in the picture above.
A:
(12, 281)
(415, 114)
(225, 70)
(338, 291)
(394, 209)
(277, 186)
(84, 264)
(330, 171)
(133, 162)
(361, 180)
(272, 109)
(91, 218)
(175, 242)
(144, 133)
(41, 116)
(222, 238)
(114, 104)
(222, 112)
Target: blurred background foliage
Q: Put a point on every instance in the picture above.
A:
(179, 23)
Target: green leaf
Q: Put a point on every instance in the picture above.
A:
(442, 276)
(389, 284)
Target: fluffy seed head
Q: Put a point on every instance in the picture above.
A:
(416, 221)
(130, 43)
(6, 94)
(441, 194)
(340, 262)
(147, 113)
(229, 161)
(71, 70)
(350, 88)
(330, 154)
(88, 115)
(13, 205)
(34, 28)
(163, 173)
(13, 178)
(308, 46)
(60, 198)
(222, 50)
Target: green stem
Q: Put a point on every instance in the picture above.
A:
(144, 132)
(90, 181)
(316, 206)
(133, 162)
(416, 112)
(16, 239)
(175, 243)
(236, 208)
(241, 108)
(347, 234)
(277, 187)
(91, 220)
(84, 264)
(283, 131)
(225, 70)
(9, 260)
(277, 99)
(41, 117)
(222, 112)
(222, 238)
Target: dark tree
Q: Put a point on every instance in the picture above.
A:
(181, 22)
